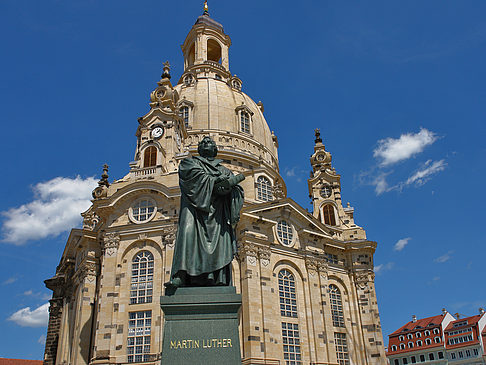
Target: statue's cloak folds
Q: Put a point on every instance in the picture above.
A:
(206, 239)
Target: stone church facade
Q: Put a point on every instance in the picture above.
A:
(306, 278)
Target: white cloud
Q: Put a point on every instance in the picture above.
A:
(290, 172)
(55, 209)
(42, 340)
(26, 317)
(11, 280)
(400, 245)
(423, 175)
(28, 292)
(444, 258)
(393, 150)
(381, 186)
(383, 267)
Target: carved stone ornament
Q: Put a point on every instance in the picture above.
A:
(264, 255)
(363, 278)
(86, 271)
(316, 265)
(278, 192)
(248, 252)
(169, 236)
(111, 241)
(91, 220)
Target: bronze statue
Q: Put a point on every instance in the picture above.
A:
(211, 200)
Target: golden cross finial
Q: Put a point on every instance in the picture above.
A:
(206, 10)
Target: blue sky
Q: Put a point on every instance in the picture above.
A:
(397, 89)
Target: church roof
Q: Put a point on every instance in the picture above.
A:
(19, 362)
(207, 20)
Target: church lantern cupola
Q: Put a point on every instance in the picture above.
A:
(208, 45)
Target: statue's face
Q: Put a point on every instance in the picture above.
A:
(207, 148)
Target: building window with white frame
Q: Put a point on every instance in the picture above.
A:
(286, 293)
(437, 339)
(285, 233)
(341, 348)
(428, 341)
(410, 345)
(139, 333)
(291, 343)
(394, 348)
(245, 121)
(419, 343)
(264, 189)
(436, 331)
(329, 217)
(402, 346)
(141, 290)
(336, 302)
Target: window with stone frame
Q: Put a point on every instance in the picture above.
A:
(291, 343)
(139, 336)
(285, 232)
(184, 113)
(329, 217)
(287, 294)
(341, 344)
(245, 121)
(150, 157)
(264, 189)
(141, 290)
(336, 302)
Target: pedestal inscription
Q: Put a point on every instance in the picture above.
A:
(201, 326)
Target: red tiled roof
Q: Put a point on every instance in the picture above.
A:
(424, 322)
(470, 321)
(19, 362)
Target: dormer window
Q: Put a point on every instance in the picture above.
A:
(236, 84)
(188, 80)
(150, 157)
(264, 189)
(245, 122)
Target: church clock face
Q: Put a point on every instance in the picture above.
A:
(157, 132)
(326, 191)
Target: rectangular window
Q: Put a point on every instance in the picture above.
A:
(431, 356)
(245, 122)
(453, 355)
(291, 343)
(475, 352)
(422, 358)
(405, 361)
(461, 355)
(138, 341)
(341, 348)
(468, 353)
(396, 362)
(413, 360)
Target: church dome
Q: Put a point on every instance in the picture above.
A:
(231, 117)
(211, 102)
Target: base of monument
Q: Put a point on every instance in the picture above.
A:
(201, 326)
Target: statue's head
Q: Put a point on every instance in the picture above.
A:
(207, 148)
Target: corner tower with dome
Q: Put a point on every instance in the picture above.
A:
(306, 278)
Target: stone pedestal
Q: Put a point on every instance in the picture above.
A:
(201, 326)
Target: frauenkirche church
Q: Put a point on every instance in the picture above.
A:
(306, 278)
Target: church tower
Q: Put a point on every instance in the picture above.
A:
(306, 278)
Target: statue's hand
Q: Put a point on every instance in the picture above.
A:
(236, 179)
(222, 187)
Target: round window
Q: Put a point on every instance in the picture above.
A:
(188, 80)
(285, 233)
(143, 210)
(326, 191)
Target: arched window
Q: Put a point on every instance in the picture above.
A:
(141, 289)
(244, 121)
(264, 189)
(402, 346)
(214, 50)
(150, 157)
(329, 215)
(437, 339)
(285, 232)
(188, 80)
(428, 341)
(419, 343)
(418, 334)
(286, 293)
(410, 345)
(336, 306)
(394, 348)
(409, 336)
(184, 113)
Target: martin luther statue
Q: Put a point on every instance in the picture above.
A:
(211, 200)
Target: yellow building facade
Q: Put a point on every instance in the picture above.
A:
(306, 278)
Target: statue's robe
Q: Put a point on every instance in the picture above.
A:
(206, 242)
